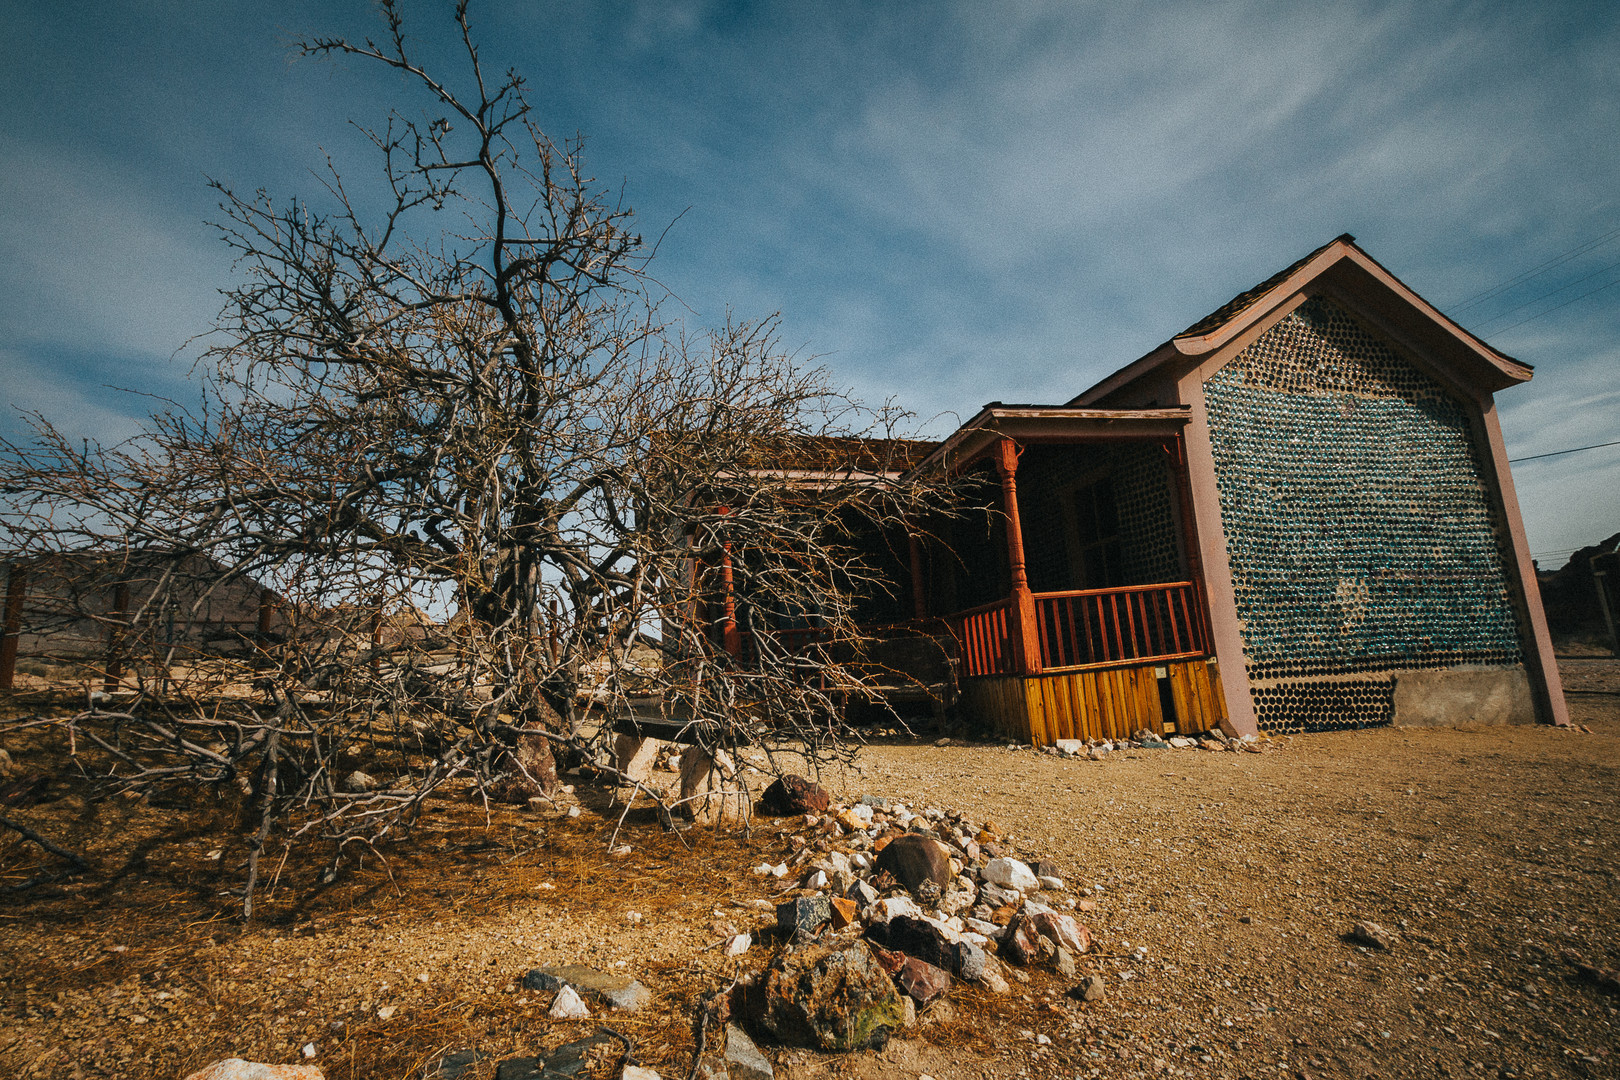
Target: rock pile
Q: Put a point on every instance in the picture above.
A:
(1213, 739)
(886, 907)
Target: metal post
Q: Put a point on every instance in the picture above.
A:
(16, 594)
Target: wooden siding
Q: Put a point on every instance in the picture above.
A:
(1112, 703)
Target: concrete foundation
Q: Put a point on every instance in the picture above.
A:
(1456, 696)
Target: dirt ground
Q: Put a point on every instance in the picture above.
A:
(1490, 852)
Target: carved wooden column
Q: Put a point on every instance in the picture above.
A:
(1021, 625)
(730, 636)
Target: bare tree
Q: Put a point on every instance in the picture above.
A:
(497, 496)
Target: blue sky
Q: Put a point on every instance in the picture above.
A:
(948, 202)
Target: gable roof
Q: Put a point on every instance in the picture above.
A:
(1338, 263)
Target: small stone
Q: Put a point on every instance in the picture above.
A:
(790, 796)
(453, 1066)
(638, 1072)
(862, 894)
(915, 859)
(815, 879)
(920, 938)
(738, 944)
(617, 991)
(1371, 935)
(808, 913)
(1062, 931)
(922, 981)
(992, 979)
(743, 1059)
(893, 906)
(1051, 884)
(1010, 874)
(238, 1069)
(573, 811)
(1090, 988)
(1063, 963)
(844, 912)
(568, 1005)
(971, 961)
(358, 782)
(387, 1012)
(996, 896)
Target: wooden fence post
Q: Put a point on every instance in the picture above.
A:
(115, 638)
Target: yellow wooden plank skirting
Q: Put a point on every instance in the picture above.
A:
(1111, 703)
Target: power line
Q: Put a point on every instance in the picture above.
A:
(1536, 271)
(1571, 450)
(1550, 292)
(1555, 307)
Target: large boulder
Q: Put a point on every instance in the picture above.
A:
(916, 860)
(712, 791)
(792, 795)
(834, 996)
(527, 769)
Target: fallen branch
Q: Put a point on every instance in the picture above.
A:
(61, 852)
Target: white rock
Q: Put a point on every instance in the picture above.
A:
(979, 926)
(816, 879)
(780, 870)
(237, 1069)
(1070, 747)
(1051, 884)
(863, 812)
(387, 1012)
(860, 861)
(638, 1072)
(568, 1006)
(889, 907)
(573, 811)
(765, 869)
(308, 1050)
(358, 782)
(632, 916)
(738, 944)
(1011, 874)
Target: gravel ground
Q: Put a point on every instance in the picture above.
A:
(1490, 853)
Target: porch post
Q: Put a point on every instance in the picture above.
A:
(919, 599)
(1021, 627)
(729, 637)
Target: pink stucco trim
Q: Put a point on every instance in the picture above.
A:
(1543, 665)
(1225, 630)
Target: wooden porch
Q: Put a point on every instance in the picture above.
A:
(1095, 663)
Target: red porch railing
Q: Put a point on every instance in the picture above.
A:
(1110, 626)
(986, 639)
(1088, 628)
